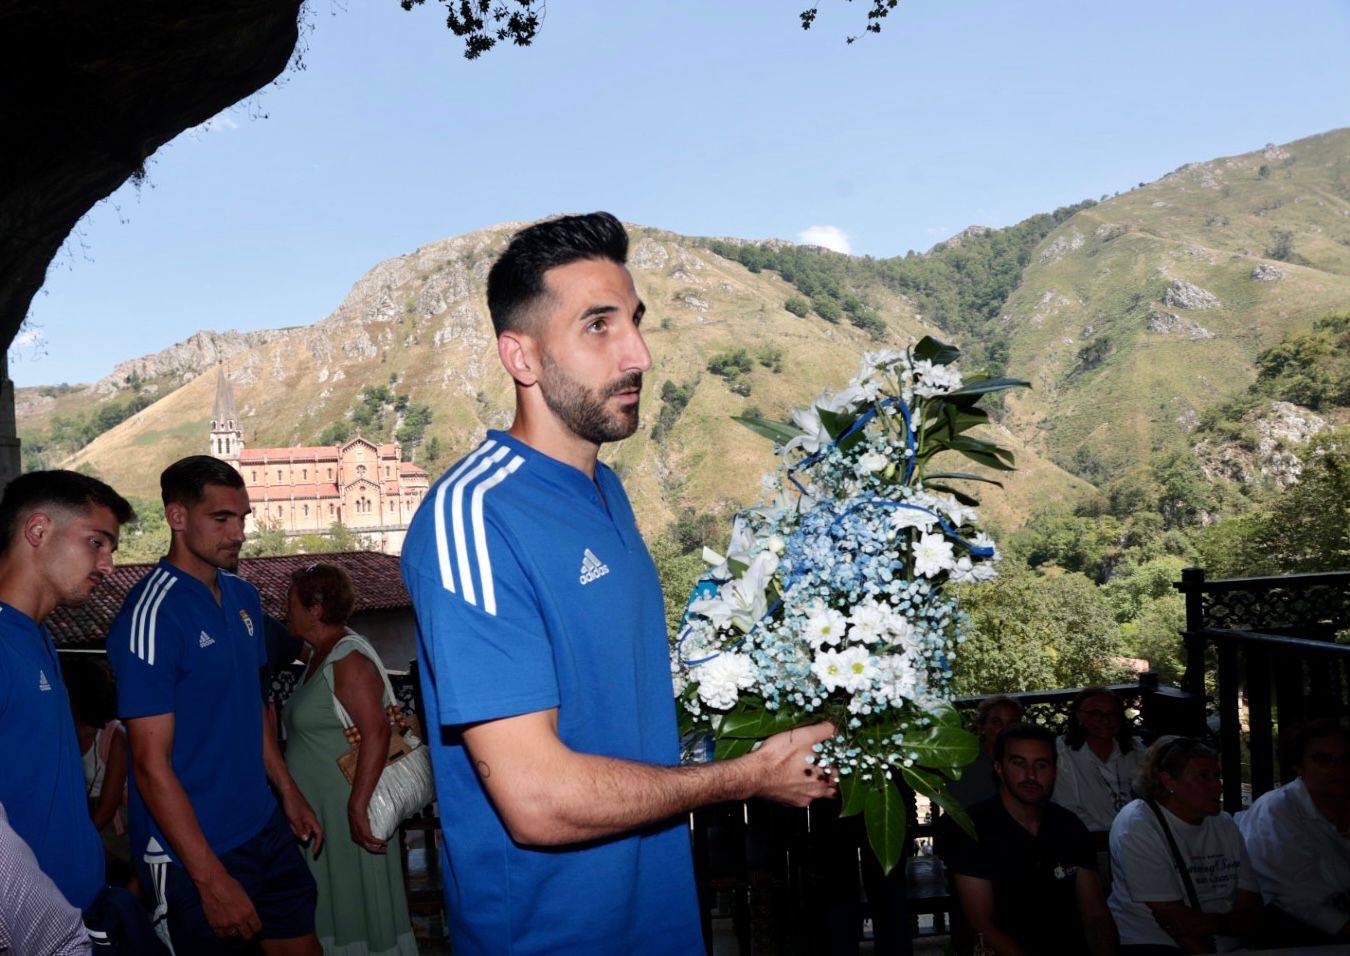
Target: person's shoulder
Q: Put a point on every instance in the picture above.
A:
(1063, 817)
(987, 812)
(1131, 814)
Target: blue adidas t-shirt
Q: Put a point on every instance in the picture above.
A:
(175, 650)
(42, 783)
(534, 592)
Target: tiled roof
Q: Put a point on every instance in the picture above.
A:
(256, 456)
(408, 468)
(379, 587)
(287, 492)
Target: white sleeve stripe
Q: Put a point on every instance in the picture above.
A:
(442, 544)
(456, 506)
(153, 619)
(157, 578)
(480, 538)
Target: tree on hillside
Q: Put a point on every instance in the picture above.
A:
(1032, 632)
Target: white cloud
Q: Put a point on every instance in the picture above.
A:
(831, 237)
(216, 124)
(28, 337)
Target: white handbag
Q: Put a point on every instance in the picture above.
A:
(406, 784)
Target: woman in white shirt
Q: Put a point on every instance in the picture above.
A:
(1097, 758)
(1183, 882)
(1299, 839)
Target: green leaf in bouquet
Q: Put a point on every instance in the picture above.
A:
(963, 475)
(729, 748)
(968, 500)
(984, 453)
(939, 353)
(778, 432)
(853, 794)
(947, 715)
(934, 788)
(751, 720)
(942, 747)
(835, 423)
(984, 386)
(884, 817)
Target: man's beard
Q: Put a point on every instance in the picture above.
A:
(585, 412)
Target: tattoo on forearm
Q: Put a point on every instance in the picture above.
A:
(484, 770)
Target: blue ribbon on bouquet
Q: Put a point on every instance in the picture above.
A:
(862, 421)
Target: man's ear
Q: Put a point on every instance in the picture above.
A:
(37, 526)
(519, 356)
(175, 513)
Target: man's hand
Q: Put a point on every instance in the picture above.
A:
(782, 771)
(304, 823)
(358, 819)
(228, 910)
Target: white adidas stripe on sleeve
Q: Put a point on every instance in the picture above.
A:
(480, 535)
(442, 543)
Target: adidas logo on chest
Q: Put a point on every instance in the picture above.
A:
(43, 683)
(206, 640)
(592, 567)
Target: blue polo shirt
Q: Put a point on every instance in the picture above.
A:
(42, 783)
(176, 651)
(534, 590)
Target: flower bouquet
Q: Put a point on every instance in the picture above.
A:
(829, 603)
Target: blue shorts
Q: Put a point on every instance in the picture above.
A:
(271, 869)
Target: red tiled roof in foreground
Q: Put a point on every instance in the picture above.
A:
(379, 587)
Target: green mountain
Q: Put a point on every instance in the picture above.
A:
(1132, 317)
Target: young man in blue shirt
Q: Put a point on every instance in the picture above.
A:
(542, 639)
(188, 648)
(58, 532)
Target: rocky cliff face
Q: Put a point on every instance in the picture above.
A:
(187, 359)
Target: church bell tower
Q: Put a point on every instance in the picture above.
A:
(227, 438)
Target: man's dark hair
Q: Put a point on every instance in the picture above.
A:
(66, 490)
(516, 282)
(1024, 732)
(184, 482)
(1294, 741)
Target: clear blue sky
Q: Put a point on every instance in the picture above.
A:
(708, 117)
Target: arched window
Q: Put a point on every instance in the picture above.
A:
(278, 511)
(330, 509)
(304, 474)
(278, 474)
(306, 511)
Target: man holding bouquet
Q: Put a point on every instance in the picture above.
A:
(541, 632)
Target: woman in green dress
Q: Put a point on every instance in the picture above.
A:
(362, 908)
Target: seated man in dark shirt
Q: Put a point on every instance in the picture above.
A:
(1029, 886)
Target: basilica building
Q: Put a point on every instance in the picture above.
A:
(364, 486)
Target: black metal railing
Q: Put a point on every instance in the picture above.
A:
(1268, 648)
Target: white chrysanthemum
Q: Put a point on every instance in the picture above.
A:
(962, 570)
(960, 514)
(868, 623)
(871, 461)
(897, 679)
(849, 669)
(721, 679)
(899, 629)
(824, 626)
(931, 379)
(932, 555)
(902, 518)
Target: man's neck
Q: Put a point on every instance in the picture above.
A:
(1103, 748)
(549, 438)
(1028, 815)
(21, 592)
(190, 564)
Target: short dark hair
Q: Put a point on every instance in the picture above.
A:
(90, 687)
(329, 587)
(67, 490)
(516, 281)
(1294, 740)
(1024, 732)
(1075, 735)
(184, 482)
